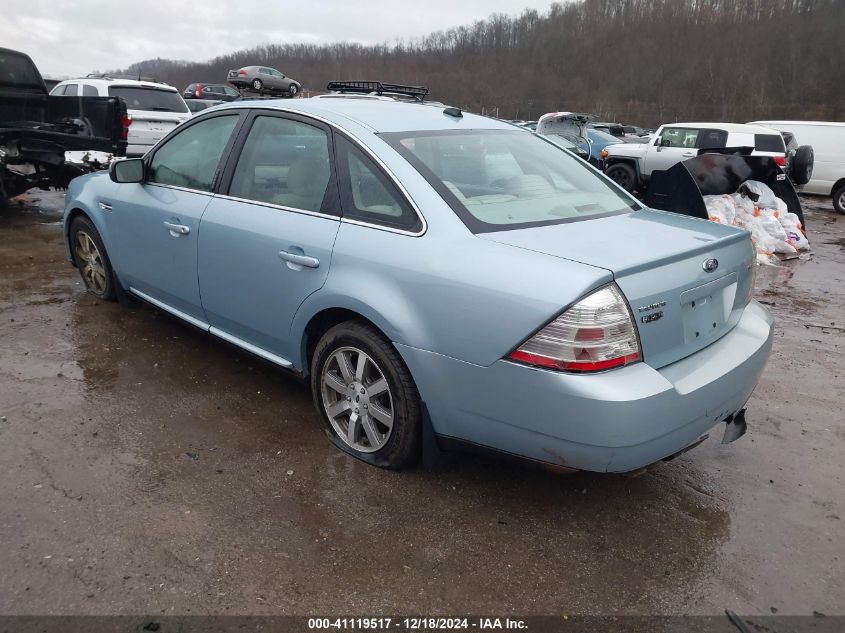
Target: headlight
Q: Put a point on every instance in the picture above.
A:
(603, 153)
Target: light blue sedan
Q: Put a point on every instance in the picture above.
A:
(442, 279)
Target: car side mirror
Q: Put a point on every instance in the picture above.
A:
(127, 170)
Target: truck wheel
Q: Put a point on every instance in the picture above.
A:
(623, 175)
(257, 85)
(839, 199)
(801, 167)
(366, 396)
(91, 259)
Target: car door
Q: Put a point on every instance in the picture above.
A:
(673, 145)
(155, 224)
(266, 241)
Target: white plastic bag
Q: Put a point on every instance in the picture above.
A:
(721, 209)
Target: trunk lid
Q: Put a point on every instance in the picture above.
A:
(686, 280)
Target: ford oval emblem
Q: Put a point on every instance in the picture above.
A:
(710, 265)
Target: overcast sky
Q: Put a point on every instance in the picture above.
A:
(74, 37)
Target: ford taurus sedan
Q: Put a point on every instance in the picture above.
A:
(437, 275)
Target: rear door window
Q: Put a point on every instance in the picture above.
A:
(190, 158)
(72, 90)
(152, 99)
(712, 139)
(769, 143)
(89, 90)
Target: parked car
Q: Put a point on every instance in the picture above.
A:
(630, 165)
(828, 142)
(38, 131)
(435, 274)
(263, 79)
(568, 130)
(216, 92)
(198, 105)
(155, 108)
(614, 129)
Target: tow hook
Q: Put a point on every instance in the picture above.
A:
(735, 427)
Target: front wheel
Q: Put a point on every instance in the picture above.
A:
(293, 90)
(623, 175)
(839, 199)
(91, 259)
(366, 396)
(257, 85)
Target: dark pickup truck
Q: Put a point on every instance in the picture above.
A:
(36, 129)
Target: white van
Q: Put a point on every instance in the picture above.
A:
(828, 142)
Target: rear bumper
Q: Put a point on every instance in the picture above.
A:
(616, 421)
(135, 150)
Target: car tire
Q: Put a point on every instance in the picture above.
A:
(92, 261)
(379, 397)
(801, 165)
(293, 90)
(623, 175)
(257, 85)
(839, 199)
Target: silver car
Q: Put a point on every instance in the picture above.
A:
(263, 79)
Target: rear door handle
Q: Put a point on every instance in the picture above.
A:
(688, 154)
(300, 260)
(177, 229)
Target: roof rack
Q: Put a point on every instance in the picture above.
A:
(121, 76)
(379, 88)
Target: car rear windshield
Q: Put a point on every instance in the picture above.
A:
(153, 99)
(769, 143)
(499, 180)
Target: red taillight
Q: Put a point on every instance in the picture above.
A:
(242, 73)
(125, 122)
(199, 91)
(596, 333)
(780, 160)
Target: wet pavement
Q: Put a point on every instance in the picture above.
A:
(148, 468)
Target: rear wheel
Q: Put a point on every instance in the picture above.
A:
(366, 396)
(91, 259)
(839, 199)
(623, 175)
(257, 85)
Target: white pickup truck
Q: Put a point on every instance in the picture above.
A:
(630, 165)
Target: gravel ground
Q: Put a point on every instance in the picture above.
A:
(148, 468)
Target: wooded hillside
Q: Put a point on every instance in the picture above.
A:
(635, 61)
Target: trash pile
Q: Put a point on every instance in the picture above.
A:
(777, 234)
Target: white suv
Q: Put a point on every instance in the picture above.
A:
(631, 164)
(155, 108)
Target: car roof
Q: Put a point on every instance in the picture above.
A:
(120, 82)
(378, 115)
(767, 123)
(727, 127)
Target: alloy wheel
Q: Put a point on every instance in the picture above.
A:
(357, 399)
(91, 263)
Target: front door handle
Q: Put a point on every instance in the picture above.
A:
(688, 154)
(299, 260)
(177, 230)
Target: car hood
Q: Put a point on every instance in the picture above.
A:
(634, 150)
